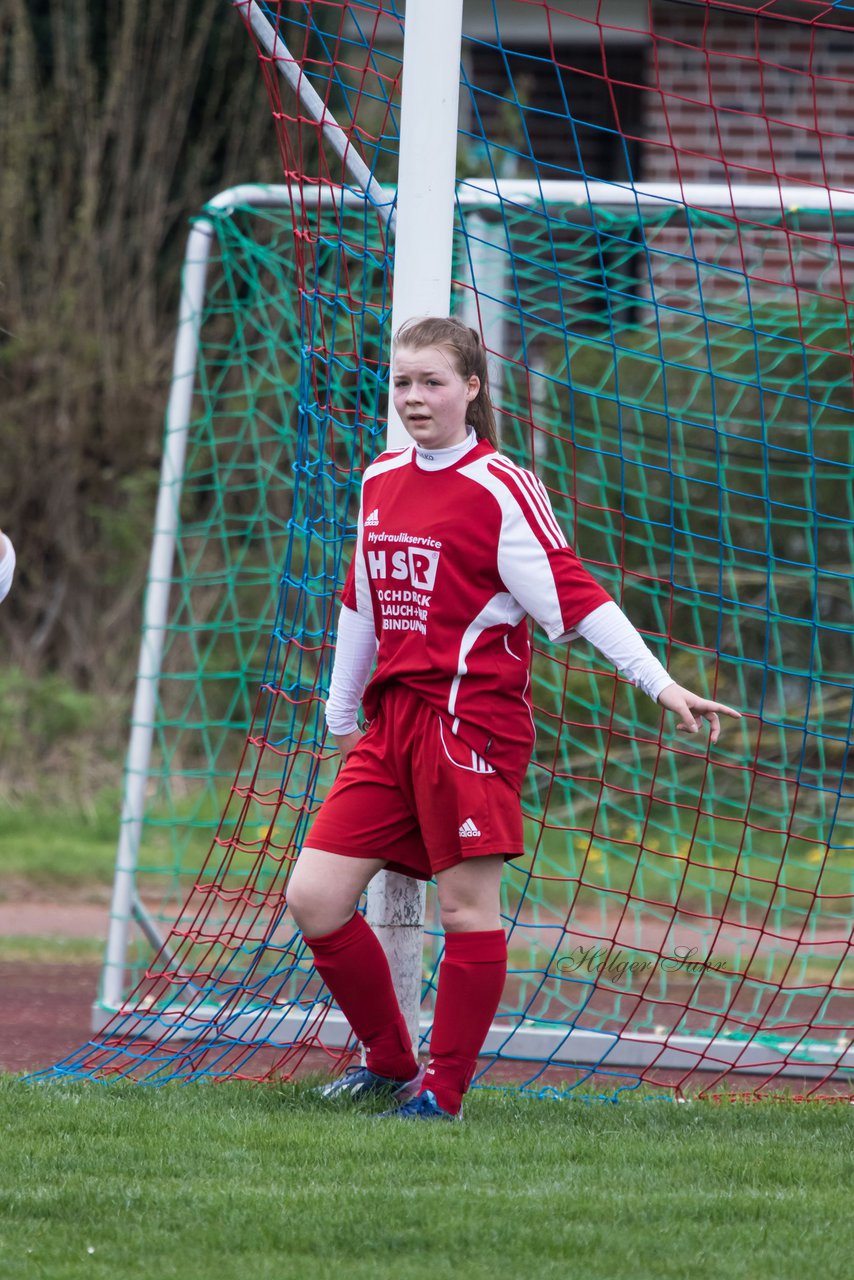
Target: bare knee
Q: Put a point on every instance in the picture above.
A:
(324, 890)
(469, 917)
(469, 895)
(307, 909)
(316, 907)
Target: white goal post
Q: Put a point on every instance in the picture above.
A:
(403, 908)
(424, 200)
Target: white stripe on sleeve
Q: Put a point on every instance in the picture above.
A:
(523, 562)
(535, 492)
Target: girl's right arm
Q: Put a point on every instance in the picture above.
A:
(355, 651)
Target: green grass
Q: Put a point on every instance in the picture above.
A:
(51, 849)
(24, 948)
(65, 847)
(237, 1181)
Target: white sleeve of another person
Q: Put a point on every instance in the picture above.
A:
(7, 565)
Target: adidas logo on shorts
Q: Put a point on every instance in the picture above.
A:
(469, 829)
(373, 518)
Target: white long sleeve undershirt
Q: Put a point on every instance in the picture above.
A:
(606, 628)
(7, 565)
(355, 650)
(610, 631)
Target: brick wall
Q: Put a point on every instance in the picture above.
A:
(737, 100)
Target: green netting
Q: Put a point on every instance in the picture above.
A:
(679, 374)
(706, 475)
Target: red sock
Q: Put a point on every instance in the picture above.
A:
(352, 963)
(471, 980)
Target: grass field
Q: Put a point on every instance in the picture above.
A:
(236, 1182)
(241, 1182)
(51, 849)
(58, 848)
(37, 949)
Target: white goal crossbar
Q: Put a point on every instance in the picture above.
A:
(280, 1026)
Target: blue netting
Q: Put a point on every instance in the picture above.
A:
(675, 364)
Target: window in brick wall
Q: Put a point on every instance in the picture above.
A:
(582, 110)
(576, 123)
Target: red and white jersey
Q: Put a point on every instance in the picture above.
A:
(448, 564)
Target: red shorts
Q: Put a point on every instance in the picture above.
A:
(413, 794)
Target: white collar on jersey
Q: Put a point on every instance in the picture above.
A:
(438, 459)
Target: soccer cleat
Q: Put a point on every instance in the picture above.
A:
(358, 1082)
(422, 1107)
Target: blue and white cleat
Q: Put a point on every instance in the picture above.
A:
(422, 1107)
(358, 1083)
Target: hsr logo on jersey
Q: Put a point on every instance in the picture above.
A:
(416, 565)
(422, 568)
(403, 580)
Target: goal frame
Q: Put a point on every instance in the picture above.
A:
(420, 214)
(403, 909)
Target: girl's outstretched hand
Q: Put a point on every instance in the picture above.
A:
(690, 706)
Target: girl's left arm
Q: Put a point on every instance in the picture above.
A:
(611, 632)
(545, 578)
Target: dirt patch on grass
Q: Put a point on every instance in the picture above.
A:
(45, 1012)
(46, 1006)
(46, 1009)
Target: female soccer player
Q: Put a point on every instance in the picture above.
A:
(456, 546)
(7, 565)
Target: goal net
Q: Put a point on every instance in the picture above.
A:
(653, 237)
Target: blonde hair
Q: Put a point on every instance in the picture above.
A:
(469, 358)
